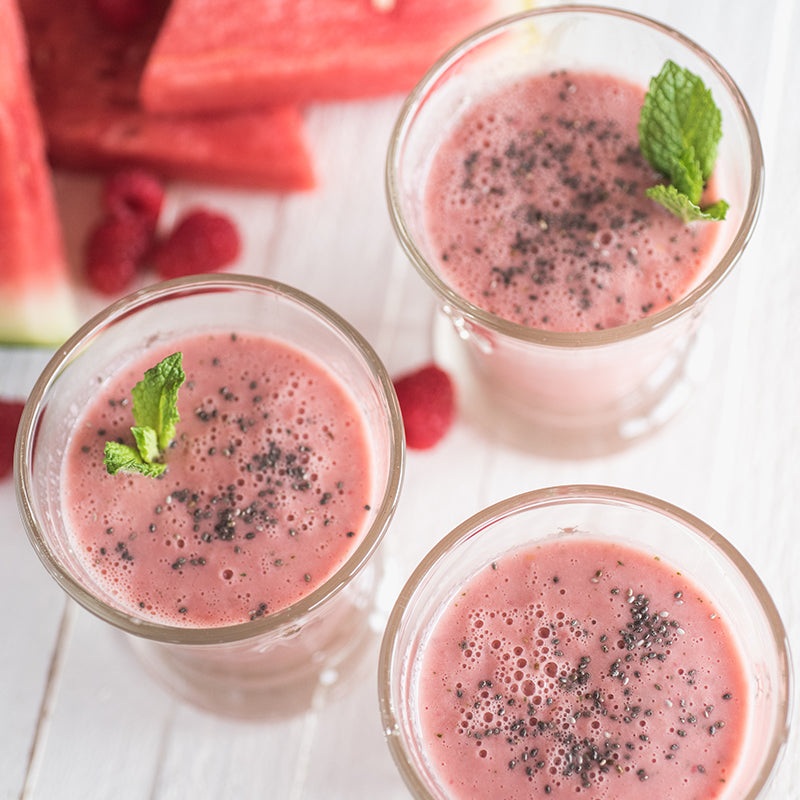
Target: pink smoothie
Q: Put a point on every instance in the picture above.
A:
(265, 496)
(582, 668)
(535, 208)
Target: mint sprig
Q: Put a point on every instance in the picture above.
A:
(679, 130)
(155, 412)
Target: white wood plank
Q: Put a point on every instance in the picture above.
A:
(205, 756)
(350, 759)
(105, 730)
(34, 607)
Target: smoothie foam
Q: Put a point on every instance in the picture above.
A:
(265, 496)
(535, 208)
(581, 667)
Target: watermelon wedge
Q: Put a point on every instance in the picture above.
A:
(86, 78)
(231, 54)
(36, 304)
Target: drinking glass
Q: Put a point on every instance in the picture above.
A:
(607, 515)
(272, 665)
(554, 392)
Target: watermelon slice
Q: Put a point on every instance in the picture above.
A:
(228, 54)
(86, 78)
(35, 296)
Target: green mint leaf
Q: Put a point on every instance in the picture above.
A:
(147, 442)
(679, 113)
(155, 412)
(679, 130)
(121, 457)
(686, 176)
(155, 399)
(716, 211)
(680, 205)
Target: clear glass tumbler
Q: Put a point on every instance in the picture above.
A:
(272, 665)
(599, 514)
(565, 393)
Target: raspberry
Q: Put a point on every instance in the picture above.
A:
(10, 412)
(427, 402)
(202, 241)
(115, 248)
(122, 15)
(134, 192)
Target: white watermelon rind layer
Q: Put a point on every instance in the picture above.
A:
(46, 318)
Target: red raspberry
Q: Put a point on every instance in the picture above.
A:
(10, 412)
(134, 192)
(122, 15)
(427, 401)
(202, 241)
(115, 248)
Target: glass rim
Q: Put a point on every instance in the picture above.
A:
(566, 339)
(119, 310)
(389, 671)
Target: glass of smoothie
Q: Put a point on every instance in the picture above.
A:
(585, 639)
(246, 573)
(569, 302)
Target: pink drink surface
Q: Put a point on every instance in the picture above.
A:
(584, 668)
(265, 496)
(535, 208)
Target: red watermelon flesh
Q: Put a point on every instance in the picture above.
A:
(86, 78)
(226, 54)
(35, 296)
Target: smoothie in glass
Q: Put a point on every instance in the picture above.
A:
(535, 203)
(266, 492)
(584, 641)
(582, 665)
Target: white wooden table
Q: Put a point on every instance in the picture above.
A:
(78, 716)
